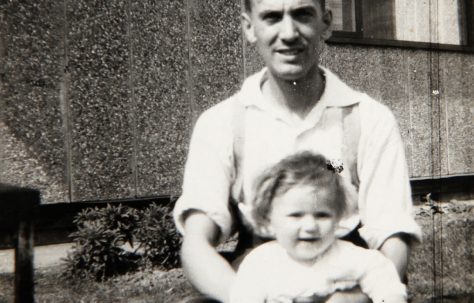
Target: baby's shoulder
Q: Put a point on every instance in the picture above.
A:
(349, 251)
(271, 248)
(359, 259)
(269, 252)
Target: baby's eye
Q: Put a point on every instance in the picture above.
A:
(322, 215)
(295, 215)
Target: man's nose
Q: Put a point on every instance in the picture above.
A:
(289, 30)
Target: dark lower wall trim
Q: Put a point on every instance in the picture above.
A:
(54, 222)
(446, 188)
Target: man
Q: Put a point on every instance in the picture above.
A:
(291, 105)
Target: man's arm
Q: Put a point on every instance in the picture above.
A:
(386, 201)
(397, 249)
(207, 270)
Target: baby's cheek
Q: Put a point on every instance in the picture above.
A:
(287, 238)
(328, 227)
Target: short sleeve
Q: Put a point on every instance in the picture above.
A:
(385, 203)
(207, 175)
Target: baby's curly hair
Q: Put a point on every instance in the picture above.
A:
(304, 168)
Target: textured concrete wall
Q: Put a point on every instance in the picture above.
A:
(98, 98)
(443, 266)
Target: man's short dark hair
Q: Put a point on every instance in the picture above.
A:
(248, 4)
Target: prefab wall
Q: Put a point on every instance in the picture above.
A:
(98, 98)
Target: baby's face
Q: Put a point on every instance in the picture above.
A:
(303, 222)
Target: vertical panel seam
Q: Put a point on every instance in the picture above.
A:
(410, 106)
(133, 101)
(244, 44)
(65, 105)
(446, 120)
(433, 154)
(441, 242)
(190, 76)
(435, 97)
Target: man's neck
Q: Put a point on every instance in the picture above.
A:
(295, 97)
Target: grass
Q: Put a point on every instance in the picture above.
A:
(171, 286)
(142, 286)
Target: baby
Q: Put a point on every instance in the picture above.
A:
(299, 202)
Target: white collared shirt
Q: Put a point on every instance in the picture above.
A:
(384, 203)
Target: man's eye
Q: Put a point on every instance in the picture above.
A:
(295, 215)
(303, 14)
(272, 17)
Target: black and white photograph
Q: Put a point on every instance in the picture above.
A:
(237, 151)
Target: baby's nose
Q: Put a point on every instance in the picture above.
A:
(309, 225)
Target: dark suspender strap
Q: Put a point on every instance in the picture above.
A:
(245, 236)
(351, 135)
(246, 239)
(238, 129)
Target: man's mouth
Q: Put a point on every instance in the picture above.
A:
(290, 51)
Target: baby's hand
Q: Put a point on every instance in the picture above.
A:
(312, 299)
(352, 296)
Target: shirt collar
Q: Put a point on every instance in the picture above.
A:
(336, 93)
(251, 92)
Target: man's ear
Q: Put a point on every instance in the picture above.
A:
(248, 28)
(327, 20)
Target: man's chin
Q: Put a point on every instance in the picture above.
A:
(291, 73)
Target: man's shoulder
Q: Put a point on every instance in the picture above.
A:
(371, 105)
(222, 108)
(220, 115)
(224, 112)
(373, 112)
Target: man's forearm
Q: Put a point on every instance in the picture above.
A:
(397, 249)
(207, 270)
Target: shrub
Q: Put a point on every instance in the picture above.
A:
(158, 237)
(102, 233)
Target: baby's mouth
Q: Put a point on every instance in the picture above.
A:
(310, 239)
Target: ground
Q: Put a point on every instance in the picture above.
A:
(146, 286)
(430, 276)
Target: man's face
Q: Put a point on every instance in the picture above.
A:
(303, 222)
(287, 34)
